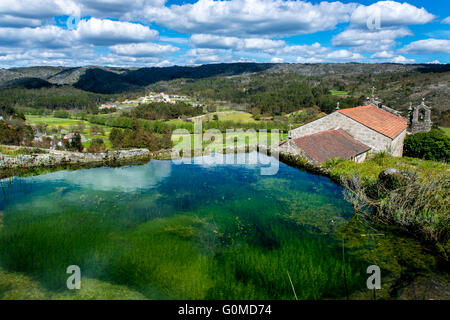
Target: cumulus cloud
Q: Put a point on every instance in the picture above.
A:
(344, 55)
(45, 9)
(309, 60)
(203, 55)
(221, 42)
(317, 53)
(107, 32)
(383, 55)
(366, 40)
(94, 31)
(376, 27)
(46, 36)
(8, 21)
(144, 49)
(249, 18)
(42, 9)
(390, 56)
(391, 14)
(217, 31)
(427, 46)
(303, 50)
(402, 59)
(276, 60)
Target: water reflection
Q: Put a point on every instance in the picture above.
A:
(124, 179)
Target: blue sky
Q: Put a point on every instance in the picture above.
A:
(138, 33)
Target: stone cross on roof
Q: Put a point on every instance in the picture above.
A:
(374, 101)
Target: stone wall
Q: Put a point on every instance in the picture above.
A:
(397, 145)
(60, 158)
(371, 138)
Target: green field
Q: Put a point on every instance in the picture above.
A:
(66, 124)
(184, 141)
(236, 116)
(339, 93)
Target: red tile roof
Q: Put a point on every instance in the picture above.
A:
(377, 119)
(331, 144)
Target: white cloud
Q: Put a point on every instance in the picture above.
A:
(390, 56)
(174, 39)
(46, 36)
(220, 42)
(108, 32)
(42, 9)
(304, 50)
(402, 59)
(434, 62)
(94, 31)
(7, 21)
(427, 46)
(144, 49)
(340, 55)
(202, 55)
(309, 60)
(383, 55)
(45, 9)
(276, 60)
(393, 17)
(391, 14)
(220, 31)
(366, 40)
(247, 18)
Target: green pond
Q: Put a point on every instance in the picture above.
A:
(192, 231)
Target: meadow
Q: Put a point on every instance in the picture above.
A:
(67, 124)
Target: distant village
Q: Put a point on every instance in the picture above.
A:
(152, 97)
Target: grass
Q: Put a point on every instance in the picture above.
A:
(19, 286)
(236, 116)
(446, 130)
(67, 123)
(168, 258)
(339, 93)
(420, 205)
(20, 151)
(186, 142)
(370, 169)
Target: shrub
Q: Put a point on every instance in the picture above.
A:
(97, 146)
(433, 145)
(61, 114)
(139, 138)
(15, 133)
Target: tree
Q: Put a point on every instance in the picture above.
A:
(76, 142)
(97, 146)
(61, 114)
(433, 145)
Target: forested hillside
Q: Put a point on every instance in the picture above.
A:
(262, 89)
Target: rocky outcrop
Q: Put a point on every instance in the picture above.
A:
(392, 179)
(64, 158)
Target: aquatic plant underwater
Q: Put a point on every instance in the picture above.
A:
(166, 231)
